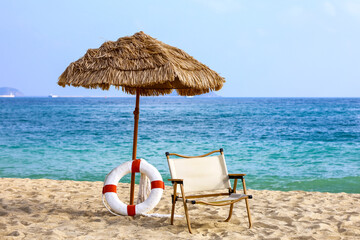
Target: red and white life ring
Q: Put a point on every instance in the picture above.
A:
(113, 178)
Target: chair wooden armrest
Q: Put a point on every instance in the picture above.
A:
(180, 181)
(236, 176)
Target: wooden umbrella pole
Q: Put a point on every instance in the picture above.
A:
(136, 120)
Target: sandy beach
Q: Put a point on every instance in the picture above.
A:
(50, 209)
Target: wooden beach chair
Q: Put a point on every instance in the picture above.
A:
(202, 177)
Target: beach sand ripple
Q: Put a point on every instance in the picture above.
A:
(49, 209)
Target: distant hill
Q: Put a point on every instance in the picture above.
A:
(8, 91)
(210, 94)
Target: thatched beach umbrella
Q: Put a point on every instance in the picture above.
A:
(142, 66)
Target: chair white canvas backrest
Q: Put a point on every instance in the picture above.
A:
(200, 173)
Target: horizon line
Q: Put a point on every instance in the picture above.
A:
(133, 96)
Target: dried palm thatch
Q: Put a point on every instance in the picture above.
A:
(141, 63)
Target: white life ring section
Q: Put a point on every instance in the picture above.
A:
(113, 178)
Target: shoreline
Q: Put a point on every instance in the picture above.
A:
(62, 209)
(168, 184)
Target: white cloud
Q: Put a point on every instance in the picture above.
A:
(330, 9)
(353, 7)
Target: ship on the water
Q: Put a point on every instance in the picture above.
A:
(11, 95)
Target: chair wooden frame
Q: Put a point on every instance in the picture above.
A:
(188, 199)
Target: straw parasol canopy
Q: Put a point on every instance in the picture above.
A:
(141, 63)
(143, 66)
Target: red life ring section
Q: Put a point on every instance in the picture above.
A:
(113, 178)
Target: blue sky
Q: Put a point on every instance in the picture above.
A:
(307, 48)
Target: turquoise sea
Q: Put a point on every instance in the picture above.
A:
(310, 144)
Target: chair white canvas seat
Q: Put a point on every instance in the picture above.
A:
(232, 197)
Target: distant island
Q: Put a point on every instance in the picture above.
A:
(13, 92)
(10, 92)
(209, 94)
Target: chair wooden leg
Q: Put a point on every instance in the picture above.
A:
(248, 212)
(247, 203)
(232, 205)
(185, 208)
(172, 213)
(173, 205)
(230, 213)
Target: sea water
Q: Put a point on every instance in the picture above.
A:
(310, 144)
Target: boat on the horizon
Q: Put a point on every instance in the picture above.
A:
(53, 96)
(11, 95)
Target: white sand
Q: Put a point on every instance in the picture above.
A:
(49, 209)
